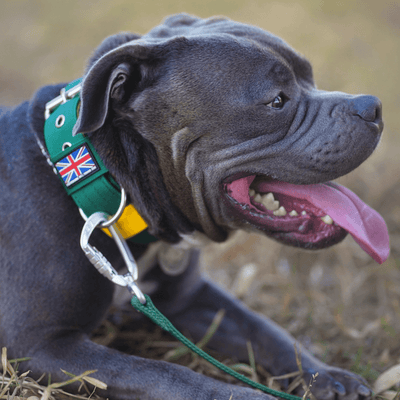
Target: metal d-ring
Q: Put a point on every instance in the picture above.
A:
(115, 217)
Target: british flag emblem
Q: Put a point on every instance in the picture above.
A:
(76, 165)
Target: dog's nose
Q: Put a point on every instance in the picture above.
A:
(369, 108)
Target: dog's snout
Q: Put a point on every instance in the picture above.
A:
(369, 108)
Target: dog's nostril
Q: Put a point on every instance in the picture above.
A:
(369, 108)
(378, 113)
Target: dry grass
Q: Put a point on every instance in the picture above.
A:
(14, 385)
(339, 304)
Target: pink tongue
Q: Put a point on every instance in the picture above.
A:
(362, 222)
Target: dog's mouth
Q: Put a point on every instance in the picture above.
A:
(308, 216)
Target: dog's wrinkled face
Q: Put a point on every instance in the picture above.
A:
(270, 125)
(240, 130)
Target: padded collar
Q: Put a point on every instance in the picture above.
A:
(82, 172)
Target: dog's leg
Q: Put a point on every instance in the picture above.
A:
(194, 302)
(49, 310)
(130, 377)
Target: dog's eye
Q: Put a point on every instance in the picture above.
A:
(278, 102)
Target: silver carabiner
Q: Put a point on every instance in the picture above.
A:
(102, 264)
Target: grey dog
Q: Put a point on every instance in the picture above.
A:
(210, 126)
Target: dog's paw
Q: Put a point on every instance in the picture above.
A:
(337, 384)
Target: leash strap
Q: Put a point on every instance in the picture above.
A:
(81, 171)
(158, 318)
(142, 302)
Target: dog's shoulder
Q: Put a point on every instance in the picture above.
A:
(13, 124)
(35, 108)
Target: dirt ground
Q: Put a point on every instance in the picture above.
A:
(339, 303)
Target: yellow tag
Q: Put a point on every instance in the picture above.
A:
(130, 223)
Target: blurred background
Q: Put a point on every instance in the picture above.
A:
(339, 303)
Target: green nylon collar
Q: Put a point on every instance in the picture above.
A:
(92, 187)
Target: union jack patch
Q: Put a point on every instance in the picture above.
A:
(76, 165)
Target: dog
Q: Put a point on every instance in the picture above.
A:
(210, 126)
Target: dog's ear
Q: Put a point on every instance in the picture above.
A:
(94, 102)
(107, 81)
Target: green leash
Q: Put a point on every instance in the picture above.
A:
(142, 302)
(158, 318)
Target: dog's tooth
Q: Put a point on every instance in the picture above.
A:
(275, 206)
(293, 213)
(269, 202)
(258, 198)
(252, 192)
(327, 219)
(281, 212)
(269, 197)
(303, 213)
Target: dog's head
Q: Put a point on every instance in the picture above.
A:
(215, 125)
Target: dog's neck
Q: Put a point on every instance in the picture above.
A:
(57, 130)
